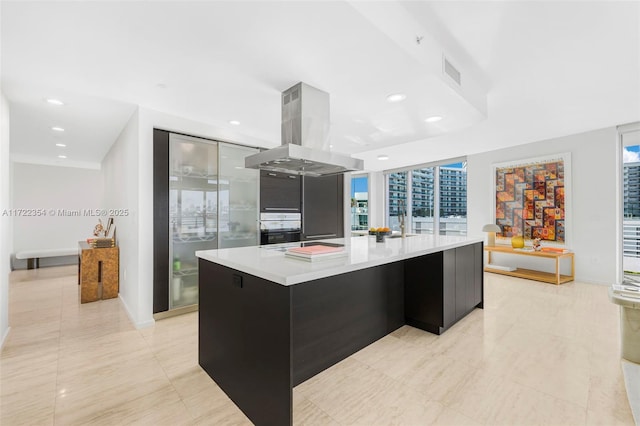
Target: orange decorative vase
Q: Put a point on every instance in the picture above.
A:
(517, 241)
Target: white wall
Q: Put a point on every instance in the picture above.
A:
(61, 192)
(5, 221)
(120, 173)
(377, 198)
(594, 197)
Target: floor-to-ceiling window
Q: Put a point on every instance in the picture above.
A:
(396, 198)
(630, 137)
(359, 202)
(433, 197)
(422, 200)
(453, 199)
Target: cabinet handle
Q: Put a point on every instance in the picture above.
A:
(295, 209)
(322, 235)
(272, 174)
(293, 177)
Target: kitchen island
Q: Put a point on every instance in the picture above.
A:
(269, 322)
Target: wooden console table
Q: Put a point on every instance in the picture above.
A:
(548, 277)
(98, 272)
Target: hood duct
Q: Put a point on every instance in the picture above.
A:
(305, 138)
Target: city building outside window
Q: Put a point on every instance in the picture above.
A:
(359, 203)
(631, 205)
(434, 197)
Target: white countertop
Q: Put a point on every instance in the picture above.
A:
(270, 263)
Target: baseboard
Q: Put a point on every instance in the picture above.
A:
(579, 280)
(136, 324)
(4, 337)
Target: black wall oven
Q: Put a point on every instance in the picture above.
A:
(276, 228)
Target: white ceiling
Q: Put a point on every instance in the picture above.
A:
(537, 69)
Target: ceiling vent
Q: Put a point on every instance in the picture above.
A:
(451, 71)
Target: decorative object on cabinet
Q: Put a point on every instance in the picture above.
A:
(108, 239)
(98, 272)
(491, 229)
(532, 198)
(517, 241)
(98, 229)
(536, 244)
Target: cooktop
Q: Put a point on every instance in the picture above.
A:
(300, 244)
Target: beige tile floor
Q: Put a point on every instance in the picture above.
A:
(537, 354)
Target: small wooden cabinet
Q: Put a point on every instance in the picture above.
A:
(98, 272)
(547, 277)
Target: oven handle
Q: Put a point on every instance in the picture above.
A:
(294, 209)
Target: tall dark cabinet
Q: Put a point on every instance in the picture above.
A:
(280, 192)
(161, 227)
(204, 198)
(322, 207)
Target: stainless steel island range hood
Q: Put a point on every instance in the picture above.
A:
(305, 138)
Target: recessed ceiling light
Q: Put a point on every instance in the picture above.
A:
(234, 122)
(57, 129)
(396, 97)
(62, 156)
(433, 119)
(61, 145)
(383, 157)
(55, 101)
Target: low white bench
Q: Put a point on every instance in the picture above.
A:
(33, 256)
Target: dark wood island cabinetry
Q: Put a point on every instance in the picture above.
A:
(258, 338)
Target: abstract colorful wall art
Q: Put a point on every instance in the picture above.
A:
(530, 199)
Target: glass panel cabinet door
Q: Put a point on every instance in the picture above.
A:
(238, 195)
(193, 218)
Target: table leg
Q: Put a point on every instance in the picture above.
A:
(573, 267)
(558, 270)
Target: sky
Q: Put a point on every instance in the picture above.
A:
(359, 184)
(631, 154)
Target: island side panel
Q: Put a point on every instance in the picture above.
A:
(479, 275)
(442, 288)
(336, 316)
(465, 284)
(424, 292)
(244, 341)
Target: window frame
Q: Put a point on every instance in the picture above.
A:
(437, 195)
